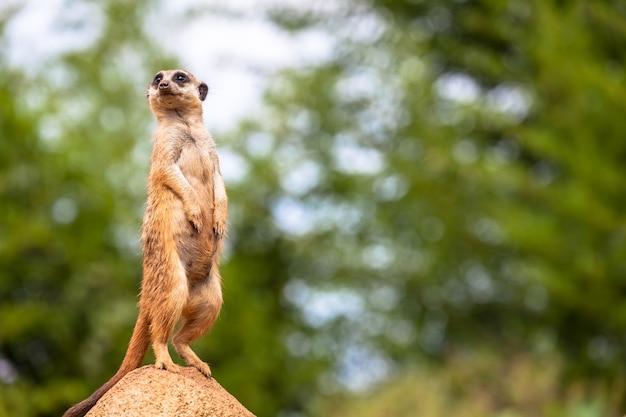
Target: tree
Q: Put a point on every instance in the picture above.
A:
(453, 177)
(448, 180)
(71, 207)
(72, 193)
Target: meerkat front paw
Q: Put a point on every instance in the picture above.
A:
(194, 215)
(220, 215)
(220, 230)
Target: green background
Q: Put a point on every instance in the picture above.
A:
(431, 221)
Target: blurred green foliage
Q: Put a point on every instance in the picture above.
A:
(449, 180)
(526, 386)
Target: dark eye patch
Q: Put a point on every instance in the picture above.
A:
(157, 79)
(180, 78)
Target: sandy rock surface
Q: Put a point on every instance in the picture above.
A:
(148, 391)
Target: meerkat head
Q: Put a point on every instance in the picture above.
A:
(176, 91)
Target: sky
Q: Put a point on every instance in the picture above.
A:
(234, 51)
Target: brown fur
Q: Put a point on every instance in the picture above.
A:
(183, 226)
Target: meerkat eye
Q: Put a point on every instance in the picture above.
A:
(157, 79)
(181, 77)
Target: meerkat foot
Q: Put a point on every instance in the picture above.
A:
(167, 366)
(163, 359)
(191, 358)
(204, 369)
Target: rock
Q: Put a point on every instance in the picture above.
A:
(150, 392)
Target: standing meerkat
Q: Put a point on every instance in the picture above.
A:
(183, 229)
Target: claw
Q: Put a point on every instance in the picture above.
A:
(194, 214)
(197, 225)
(219, 230)
(171, 367)
(204, 369)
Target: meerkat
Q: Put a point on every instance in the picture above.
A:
(182, 233)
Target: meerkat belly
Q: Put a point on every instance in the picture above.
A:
(197, 248)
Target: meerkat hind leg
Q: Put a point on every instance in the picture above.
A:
(164, 318)
(185, 352)
(200, 314)
(163, 358)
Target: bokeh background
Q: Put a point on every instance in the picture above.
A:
(426, 200)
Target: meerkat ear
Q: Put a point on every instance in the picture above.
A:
(203, 89)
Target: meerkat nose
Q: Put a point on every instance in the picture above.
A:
(164, 85)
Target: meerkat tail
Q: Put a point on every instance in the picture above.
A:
(137, 349)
